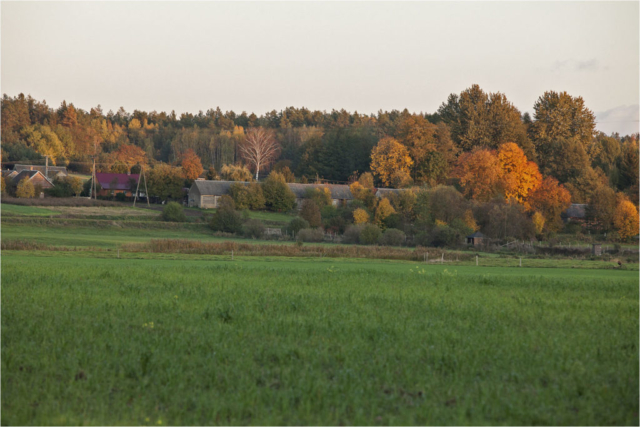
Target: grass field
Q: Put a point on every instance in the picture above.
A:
(315, 341)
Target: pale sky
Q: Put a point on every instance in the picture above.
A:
(362, 56)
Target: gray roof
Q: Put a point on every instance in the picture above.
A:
(51, 170)
(214, 188)
(29, 174)
(382, 192)
(338, 192)
(475, 235)
(576, 210)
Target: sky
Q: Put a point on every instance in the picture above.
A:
(360, 56)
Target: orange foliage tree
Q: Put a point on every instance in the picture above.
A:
(130, 155)
(480, 174)
(389, 157)
(519, 175)
(191, 165)
(625, 219)
(550, 199)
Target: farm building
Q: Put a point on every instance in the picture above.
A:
(575, 213)
(9, 174)
(114, 183)
(36, 178)
(475, 239)
(51, 172)
(340, 194)
(205, 194)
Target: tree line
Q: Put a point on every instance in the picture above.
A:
(478, 142)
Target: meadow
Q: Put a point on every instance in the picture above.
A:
(157, 339)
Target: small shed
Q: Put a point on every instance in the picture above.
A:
(596, 249)
(475, 239)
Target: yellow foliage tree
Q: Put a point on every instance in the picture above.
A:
(538, 222)
(360, 216)
(520, 176)
(25, 189)
(389, 157)
(625, 219)
(480, 174)
(383, 210)
(469, 220)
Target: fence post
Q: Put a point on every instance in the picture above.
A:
(118, 252)
(520, 261)
(231, 255)
(476, 260)
(442, 259)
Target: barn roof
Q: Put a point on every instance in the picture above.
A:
(382, 192)
(122, 180)
(576, 210)
(475, 235)
(29, 174)
(338, 192)
(51, 170)
(214, 188)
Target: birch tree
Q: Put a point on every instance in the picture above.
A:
(259, 148)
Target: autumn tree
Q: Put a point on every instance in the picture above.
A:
(277, 194)
(480, 174)
(130, 155)
(600, 210)
(383, 211)
(550, 199)
(520, 176)
(558, 115)
(25, 189)
(479, 119)
(310, 212)
(236, 173)
(165, 182)
(360, 216)
(191, 165)
(388, 157)
(259, 148)
(625, 219)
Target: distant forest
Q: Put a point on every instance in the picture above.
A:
(337, 146)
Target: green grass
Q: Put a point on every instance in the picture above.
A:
(7, 209)
(316, 341)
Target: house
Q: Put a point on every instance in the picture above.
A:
(205, 194)
(51, 172)
(340, 194)
(114, 183)
(9, 174)
(575, 213)
(37, 178)
(475, 239)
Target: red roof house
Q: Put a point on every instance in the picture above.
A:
(113, 183)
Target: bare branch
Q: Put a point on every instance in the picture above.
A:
(259, 148)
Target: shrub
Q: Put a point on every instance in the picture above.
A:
(360, 216)
(311, 213)
(352, 234)
(121, 197)
(227, 220)
(277, 194)
(322, 196)
(253, 228)
(310, 235)
(443, 235)
(226, 202)
(370, 234)
(173, 212)
(25, 189)
(236, 173)
(247, 196)
(392, 237)
(297, 224)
